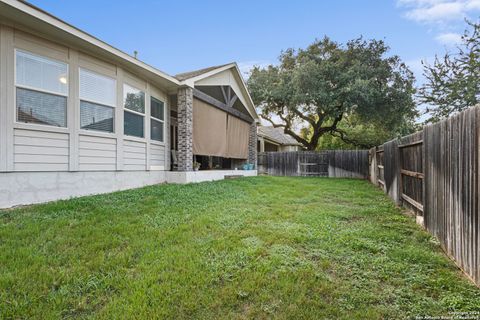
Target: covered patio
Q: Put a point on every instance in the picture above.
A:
(213, 126)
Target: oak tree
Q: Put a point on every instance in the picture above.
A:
(319, 87)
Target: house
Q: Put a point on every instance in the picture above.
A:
(272, 139)
(78, 116)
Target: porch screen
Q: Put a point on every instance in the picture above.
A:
(237, 138)
(209, 128)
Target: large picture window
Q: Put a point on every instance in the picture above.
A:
(41, 89)
(157, 119)
(134, 104)
(97, 101)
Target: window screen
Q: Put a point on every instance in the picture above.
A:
(156, 130)
(41, 73)
(96, 117)
(133, 124)
(133, 99)
(157, 108)
(41, 108)
(97, 88)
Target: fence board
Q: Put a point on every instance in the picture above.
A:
(451, 187)
(411, 169)
(331, 163)
(391, 158)
(435, 173)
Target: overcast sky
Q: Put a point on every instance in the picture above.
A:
(177, 36)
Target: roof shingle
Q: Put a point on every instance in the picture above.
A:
(191, 74)
(277, 135)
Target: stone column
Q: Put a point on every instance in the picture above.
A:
(252, 144)
(262, 144)
(185, 129)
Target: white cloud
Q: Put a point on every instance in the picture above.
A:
(438, 11)
(473, 5)
(247, 66)
(449, 38)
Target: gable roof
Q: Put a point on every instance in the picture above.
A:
(206, 74)
(277, 135)
(191, 74)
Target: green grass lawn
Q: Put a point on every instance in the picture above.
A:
(263, 247)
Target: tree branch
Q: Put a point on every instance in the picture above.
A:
(287, 129)
(333, 127)
(275, 125)
(342, 135)
(302, 116)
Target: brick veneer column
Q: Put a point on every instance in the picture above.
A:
(185, 129)
(252, 144)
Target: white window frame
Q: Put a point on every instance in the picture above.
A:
(113, 106)
(135, 112)
(157, 119)
(16, 85)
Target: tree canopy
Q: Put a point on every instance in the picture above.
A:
(316, 89)
(360, 134)
(453, 81)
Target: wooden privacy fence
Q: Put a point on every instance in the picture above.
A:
(435, 173)
(338, 163)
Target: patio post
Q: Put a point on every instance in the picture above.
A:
(185, 128)
(252, 144)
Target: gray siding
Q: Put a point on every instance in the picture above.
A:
(134, 155)
(97, 153)
(157, 156)
(32, 147)
(40, 150)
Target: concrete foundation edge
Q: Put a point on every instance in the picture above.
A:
(24, 188)
(201, 176)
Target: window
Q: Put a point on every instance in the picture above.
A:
(134, 104)
(96, 117)
(97, 101)
(41, 89)
(157, 110)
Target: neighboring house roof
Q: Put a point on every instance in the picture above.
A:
(277, 135)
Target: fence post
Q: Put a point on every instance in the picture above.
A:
(372, 155)
(391, 172)
(421, 219)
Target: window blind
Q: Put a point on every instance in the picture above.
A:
(41, 73)
(41, 108)
(97, 88)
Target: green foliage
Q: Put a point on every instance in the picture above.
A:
(453, 81)
(322, 85)
(359, 134)
(252, 248)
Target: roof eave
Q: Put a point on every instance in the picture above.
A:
(45, 23)
(251, 108)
